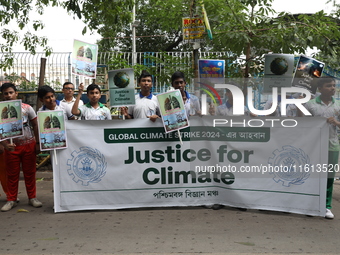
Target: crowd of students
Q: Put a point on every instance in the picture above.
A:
(20, 154)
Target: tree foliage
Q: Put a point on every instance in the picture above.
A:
(94, 13)
(247, 28)
(160, 27)
(252, 28)
(18, 12)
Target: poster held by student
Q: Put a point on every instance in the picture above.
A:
(84, 59)
(278, 71)
(173, 112)
(307, 71)
(52, 131)
(11, 120)
(122, 87)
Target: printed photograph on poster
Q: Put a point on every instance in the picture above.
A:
(308, 70)
(173, 112)
(84, 59)
(11, 121)
(122, 87)
(52, 131)
(278, 71)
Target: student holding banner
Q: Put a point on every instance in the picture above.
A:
(191, 102)
(21, 152)
(93, 110)
(146, 103)
(326, 106)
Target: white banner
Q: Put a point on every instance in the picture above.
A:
(134, 163)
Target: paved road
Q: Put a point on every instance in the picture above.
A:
(190, 230)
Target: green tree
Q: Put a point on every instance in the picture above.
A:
(330, 55)
(160, 28)
(248, 28)
(252, 28)
(94, 13)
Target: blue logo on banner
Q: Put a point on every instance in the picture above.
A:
(86, 165)
(288, 166)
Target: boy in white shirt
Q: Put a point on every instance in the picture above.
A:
(21, 153)
(146, 103)
(46, 95)
(68, 91)
(93, 110)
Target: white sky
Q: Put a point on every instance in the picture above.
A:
(61, 29)
(301, 6)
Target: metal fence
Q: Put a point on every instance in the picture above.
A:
(58, 65)
(58, 68)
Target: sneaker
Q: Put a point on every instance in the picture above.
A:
(329, 214)
(34, 202)
(8, 206)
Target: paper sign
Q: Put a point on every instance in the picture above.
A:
(11, 121)
(84, 59)
(52, 131)
(173, 112)
(122, 87)
(278, 71)
(308, 70)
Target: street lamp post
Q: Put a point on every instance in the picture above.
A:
(135, 23)
(133, 35)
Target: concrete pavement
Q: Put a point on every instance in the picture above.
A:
(189, 230)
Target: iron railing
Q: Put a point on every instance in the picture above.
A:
(58, 65)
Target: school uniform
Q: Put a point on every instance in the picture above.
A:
(318, 108)
(87, 112)
(144, 107)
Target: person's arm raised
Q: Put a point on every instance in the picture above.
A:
(75, 109)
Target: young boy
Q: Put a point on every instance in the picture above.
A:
(93, 110)
(47, 96)
(68, 91)
(191, 102)
(22, 151)
(146, 103)
(326, 106)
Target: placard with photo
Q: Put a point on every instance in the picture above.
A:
(11, 125)
(307, 72)
(84, 59)
(122, 87)
(52, 131)
(173, 112)
(278, 71)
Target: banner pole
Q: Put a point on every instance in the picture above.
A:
(55, 156)
(179, 135)
(123, 116)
